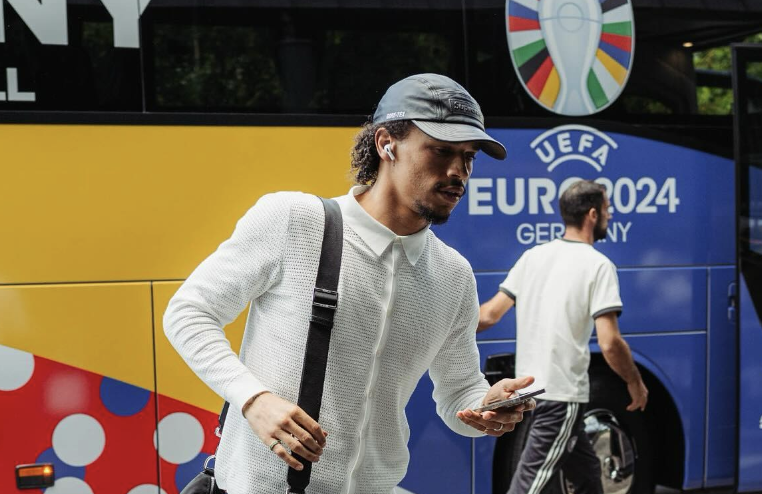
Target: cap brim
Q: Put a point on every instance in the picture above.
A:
(457, 132)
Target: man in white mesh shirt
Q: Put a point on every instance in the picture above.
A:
(407, 304)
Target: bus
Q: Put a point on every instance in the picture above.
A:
(134, 133)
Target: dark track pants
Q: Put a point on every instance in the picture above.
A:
(557, 441)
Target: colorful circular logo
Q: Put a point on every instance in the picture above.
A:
(572, 56)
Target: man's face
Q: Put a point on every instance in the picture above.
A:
(430, 176)
(599, 232)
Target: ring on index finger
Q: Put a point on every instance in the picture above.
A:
(274, 443)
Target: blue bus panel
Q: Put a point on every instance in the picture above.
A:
(672, 238)
(440, 460)
(721, 424)
(678, 361)
(663, 300)
(655, 300)
(672, 206)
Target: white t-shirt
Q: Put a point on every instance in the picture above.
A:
(560, 288)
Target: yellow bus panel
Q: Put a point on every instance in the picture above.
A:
(101, 328)
(138, 203)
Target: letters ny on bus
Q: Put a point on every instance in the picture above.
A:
(47, 20)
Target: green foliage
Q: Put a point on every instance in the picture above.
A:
(636, 104)
(717, 100)
(714, 100)
(197, 66)
(262, 69)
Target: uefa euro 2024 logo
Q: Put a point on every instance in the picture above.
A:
(572, 56)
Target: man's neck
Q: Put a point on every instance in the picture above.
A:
(383, 207)
(584, 235)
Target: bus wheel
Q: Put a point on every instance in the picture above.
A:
(620, 438)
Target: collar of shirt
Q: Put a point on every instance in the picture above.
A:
(377, 236)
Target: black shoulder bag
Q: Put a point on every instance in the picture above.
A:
(324, 302)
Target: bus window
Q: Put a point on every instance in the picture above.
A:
(661, 81)
(714, 89)
(750, 221)
(660, 91)
(300, 59)
(665, 77)
(66, 59)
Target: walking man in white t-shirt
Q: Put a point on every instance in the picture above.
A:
(561, 288)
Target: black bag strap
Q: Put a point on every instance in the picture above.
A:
(324, 302)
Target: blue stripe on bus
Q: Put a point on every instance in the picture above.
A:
(518, 10)
(621, 56)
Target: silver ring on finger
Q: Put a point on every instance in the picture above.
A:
(275, 443)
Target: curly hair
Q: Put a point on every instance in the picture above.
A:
(365, 159)
(578, 199)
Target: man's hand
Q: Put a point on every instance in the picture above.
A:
(617, 353)
(280, 424)
(639, 394)
(498, 422)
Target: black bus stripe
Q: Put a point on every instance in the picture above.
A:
(533, 64)
(612, 4)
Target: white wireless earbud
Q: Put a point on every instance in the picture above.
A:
(388, 149)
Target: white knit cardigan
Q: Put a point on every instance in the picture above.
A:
(406, 305)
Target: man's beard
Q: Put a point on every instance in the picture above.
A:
(599, 232)
(429, 214)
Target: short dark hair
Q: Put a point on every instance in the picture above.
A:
(577, 200)
(365, 159)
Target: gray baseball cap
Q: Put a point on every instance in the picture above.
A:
(440, 107)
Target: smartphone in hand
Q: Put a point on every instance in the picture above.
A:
(518, 399)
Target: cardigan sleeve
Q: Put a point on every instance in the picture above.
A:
(241, 269)
(455, 372)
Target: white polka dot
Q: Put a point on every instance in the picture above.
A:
(78, 440)
(16, 368)
(181, 438)
(147, 489)
(69, 485)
